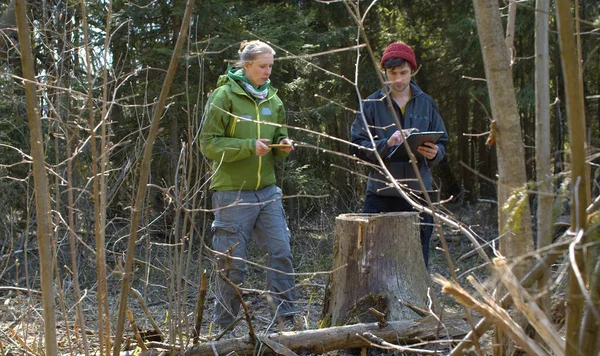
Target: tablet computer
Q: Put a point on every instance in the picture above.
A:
(414, 140)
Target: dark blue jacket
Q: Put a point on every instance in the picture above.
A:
(422, 113)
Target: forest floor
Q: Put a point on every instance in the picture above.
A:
(21, 326)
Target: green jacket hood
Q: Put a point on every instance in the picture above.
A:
(233, 75)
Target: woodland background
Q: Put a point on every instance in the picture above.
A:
(99, 90)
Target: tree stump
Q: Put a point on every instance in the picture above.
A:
(384, 266)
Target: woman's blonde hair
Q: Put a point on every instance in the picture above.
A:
(250, 49)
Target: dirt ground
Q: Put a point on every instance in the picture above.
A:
(21, 326)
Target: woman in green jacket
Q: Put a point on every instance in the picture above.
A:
(242, 134)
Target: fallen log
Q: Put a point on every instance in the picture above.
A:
(341, 337)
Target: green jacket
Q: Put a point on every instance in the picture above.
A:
(229, 132)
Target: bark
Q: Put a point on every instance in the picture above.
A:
(516, 238)
(510, 30)
(174, 120)
(100, 217)
(559, 135)
(543, 158)
(71, 137)
(40, 179)
(97, 198)
(579, 178)
(378, 263)
(324, 340)
(145, 173)
(514, 223)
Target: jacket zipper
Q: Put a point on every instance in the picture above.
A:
(256, 106)
(258, 133)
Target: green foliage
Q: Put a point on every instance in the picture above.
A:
(514, 207)
(325, 322)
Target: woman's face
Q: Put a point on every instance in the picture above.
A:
(259, 69)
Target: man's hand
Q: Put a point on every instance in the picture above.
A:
(428, 150)
(396, 138)
(286, 141)
(261, 146)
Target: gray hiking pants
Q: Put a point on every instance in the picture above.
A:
(259, 212)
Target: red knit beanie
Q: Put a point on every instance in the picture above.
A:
(400, 50)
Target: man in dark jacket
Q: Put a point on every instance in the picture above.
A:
(415, 110)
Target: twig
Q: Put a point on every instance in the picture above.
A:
(40, 179)
(136, 331)
(162, 345)
(420, 311)
(244, 305)
(217, 253)
(14, 334)
(19, 289)
(229, 327)
(525, 303)
(200, 307)
(495, 314)
(140, 299)
(228, 258)
(379, 315)
(594, 206)
(382, 344)
(145, 172)
(528, 280)
(577, 271)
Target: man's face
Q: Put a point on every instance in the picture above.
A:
(399, 78)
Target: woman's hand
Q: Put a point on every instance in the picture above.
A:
(261, 147)
(286, 141)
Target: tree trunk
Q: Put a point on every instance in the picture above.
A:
(514, 223)
(516, 238)
(320, 341)
(510, 29)
(40, 181)
(378, 262)
(543, 161)
(579, 177)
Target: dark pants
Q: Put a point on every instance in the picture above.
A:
(383, 204)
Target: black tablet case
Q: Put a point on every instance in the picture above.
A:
(414, 140)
